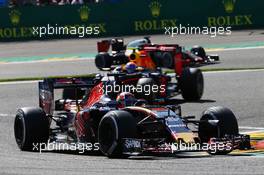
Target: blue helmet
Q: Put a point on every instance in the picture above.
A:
(131, 67)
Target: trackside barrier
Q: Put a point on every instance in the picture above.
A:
(129, 17)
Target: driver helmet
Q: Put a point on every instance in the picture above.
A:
(118, 69)
(125, 99)
(131, 67)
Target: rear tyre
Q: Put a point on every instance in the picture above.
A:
(103, 60)
(227, 125)
(156, 58)
(167, 60)
(113, 127)
(31, 128)
(191, 84)
(147, 84)
(198, 51)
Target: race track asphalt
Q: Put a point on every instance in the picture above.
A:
(242, 91)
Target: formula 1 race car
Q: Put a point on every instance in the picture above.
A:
(157, 87)
(121, 54)
(186, 81)
(118, 131)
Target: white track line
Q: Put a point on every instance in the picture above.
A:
(227, 71)
(233, 71)
(19, 82)
(6, 115)
(234, 49)
(249, 127)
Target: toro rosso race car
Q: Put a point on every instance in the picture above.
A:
(120, 127)
(135, 51)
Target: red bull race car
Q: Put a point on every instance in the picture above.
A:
(114, 52)
(120, 127)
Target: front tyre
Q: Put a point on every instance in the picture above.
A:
(227, 125)
(31, 127)
(113, 127)
(167, 60)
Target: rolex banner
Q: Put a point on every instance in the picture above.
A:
(126, 18)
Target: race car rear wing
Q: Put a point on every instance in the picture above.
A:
(176, 54)
(47, 86)
(164, 47)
